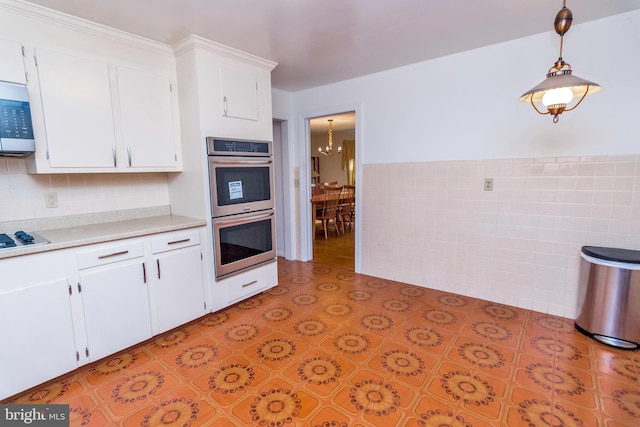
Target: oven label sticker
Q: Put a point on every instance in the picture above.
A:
(235, 190)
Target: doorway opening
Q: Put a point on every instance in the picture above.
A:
(333, 178)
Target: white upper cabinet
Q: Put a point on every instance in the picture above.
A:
(11, 62)
(147, 117)
(239, 90)
(102, 100)
(76, 103)
(228, 90)
(103, 117)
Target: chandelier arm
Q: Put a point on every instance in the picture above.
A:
(536, 108)
(578, 103)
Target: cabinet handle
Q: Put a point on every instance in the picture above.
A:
(249, 284)
(175, 242)
(115, 162)
(224, 105)
(218, 161)
(158, 263)
(144, 273)
(229, 222)
(113, 254)
(129, 155)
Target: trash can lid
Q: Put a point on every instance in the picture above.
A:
(613, 254)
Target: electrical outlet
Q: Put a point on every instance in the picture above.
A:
(488, 184)
(51, 199)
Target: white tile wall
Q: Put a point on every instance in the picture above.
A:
(22, 194)
(432, 224)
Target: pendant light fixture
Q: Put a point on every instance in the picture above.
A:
(329, 150)
(561, 86)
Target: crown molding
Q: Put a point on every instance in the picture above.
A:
(193, 42)
(75, 23)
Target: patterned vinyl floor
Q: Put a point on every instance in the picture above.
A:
(332, 348)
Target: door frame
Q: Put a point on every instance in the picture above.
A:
(286, 194)
(306, 228)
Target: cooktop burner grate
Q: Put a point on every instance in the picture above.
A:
(21, 239)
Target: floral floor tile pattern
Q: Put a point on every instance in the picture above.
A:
(330, 348)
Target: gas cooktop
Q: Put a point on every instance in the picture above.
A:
(21, 239)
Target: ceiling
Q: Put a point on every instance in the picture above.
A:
(317, 42)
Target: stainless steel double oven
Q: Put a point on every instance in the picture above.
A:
(242, 204)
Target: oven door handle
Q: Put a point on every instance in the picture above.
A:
(241, 162)
(243, 219)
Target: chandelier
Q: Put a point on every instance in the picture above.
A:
(329, 150)
(560, 87)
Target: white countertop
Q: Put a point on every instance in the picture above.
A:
(62, 238)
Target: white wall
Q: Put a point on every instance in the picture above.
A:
(465, 106)
(432, 224)
(450, 113)
(22, 194)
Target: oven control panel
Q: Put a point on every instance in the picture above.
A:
(235, 147)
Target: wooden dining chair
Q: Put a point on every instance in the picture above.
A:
(346, 206)
(329, 209)
(315, 192)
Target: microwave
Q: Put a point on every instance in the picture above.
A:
(16, 128)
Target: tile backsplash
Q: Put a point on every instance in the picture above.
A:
(22, 196)
(433, 224)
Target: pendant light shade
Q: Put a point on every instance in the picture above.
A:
(554, 95)
(566, 82)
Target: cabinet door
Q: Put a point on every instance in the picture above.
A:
(147, 119)
(78, 118)
(11, 62)
(116, 307)
(37, 336)
(239, 90)
(178, 288)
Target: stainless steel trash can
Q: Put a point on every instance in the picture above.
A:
(609, 296)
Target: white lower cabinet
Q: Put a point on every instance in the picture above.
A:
(37, 336)
(66, 308)
(140, 287)
(176, 280)
(37, 320)
(243, 285)
(115, 299)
